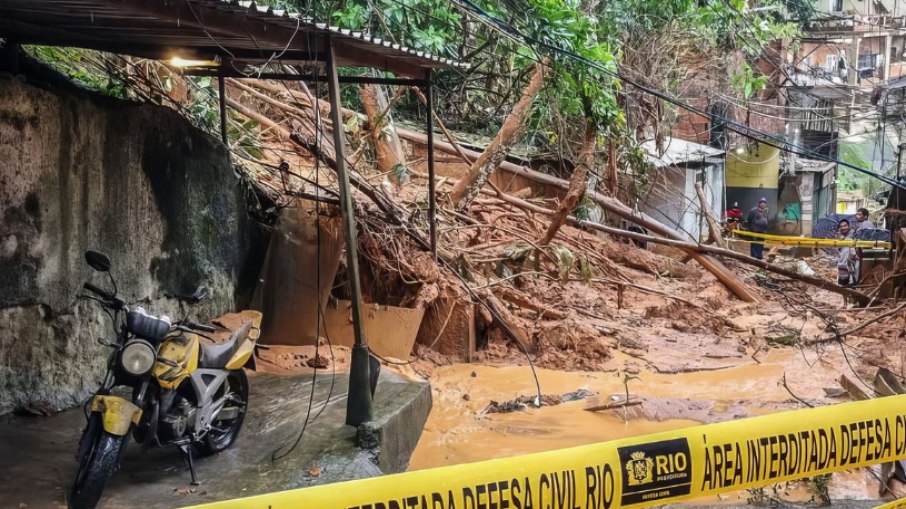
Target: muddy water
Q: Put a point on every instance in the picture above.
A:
(456, 431)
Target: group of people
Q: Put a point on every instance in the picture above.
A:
(756, 220)
(848, 273)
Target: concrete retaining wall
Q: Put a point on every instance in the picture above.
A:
(401, 409)
(77, 172)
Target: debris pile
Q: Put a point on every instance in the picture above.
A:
(572, 303)
(523, 402)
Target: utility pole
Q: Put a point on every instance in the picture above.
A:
(358, 400)
(900, 149)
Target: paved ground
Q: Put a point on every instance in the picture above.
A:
(37, 454)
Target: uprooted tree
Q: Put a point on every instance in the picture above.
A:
(513, 127)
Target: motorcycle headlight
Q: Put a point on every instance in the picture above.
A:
(137, 357)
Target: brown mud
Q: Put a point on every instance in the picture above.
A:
(713, 361)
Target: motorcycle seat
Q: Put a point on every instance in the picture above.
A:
(217, 356)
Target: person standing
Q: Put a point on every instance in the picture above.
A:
(757, 221)
(862, 222)
(846, 262)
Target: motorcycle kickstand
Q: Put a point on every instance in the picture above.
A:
(187, 455)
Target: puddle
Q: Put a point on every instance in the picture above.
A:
(457, 433)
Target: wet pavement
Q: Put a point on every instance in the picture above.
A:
(38, 452)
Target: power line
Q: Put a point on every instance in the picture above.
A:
(743, 130)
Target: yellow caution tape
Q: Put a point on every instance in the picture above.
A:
(896, 504)
(788, 240)
(634, 472)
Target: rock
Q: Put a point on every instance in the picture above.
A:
(318, 362)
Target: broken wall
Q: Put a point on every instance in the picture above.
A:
(138, 182)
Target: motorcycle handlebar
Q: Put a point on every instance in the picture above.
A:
(197, 326)
(99, 291)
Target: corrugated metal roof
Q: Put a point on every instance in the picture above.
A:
(677, 151)
(236, 29)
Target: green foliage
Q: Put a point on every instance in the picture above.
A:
(747, 82)
(205, 114)
(427, 25)
(582, 90)
(352, 15)
(73, 63)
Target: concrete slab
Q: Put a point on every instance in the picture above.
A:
(38, 452)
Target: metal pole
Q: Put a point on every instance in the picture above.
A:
(900, 159)
(221, 89)
(432, 192)
(358, 402)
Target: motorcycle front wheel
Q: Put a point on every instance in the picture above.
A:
(223, 433)
(99, 459)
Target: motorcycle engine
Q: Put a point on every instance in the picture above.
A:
(178, 421)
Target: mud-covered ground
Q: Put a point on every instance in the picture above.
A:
(691, 353)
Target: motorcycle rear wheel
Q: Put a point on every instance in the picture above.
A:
(217, 440)
(101, 460)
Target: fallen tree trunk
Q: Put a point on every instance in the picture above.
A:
(710, 264)
(513, 127)
(713, 228)
(522, 300)
(687, 246)
(577, 183)
(387, 147)
(692, 247)
(610, 204)
(306, 136)
(615, 404)
(514, 331)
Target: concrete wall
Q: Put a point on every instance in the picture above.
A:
(138, 182)
(753, 175)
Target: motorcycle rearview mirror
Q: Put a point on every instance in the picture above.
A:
(97, 261)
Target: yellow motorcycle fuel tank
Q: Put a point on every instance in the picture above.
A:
(177, 359)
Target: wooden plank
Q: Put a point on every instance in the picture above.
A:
(391, 330)
(891, 381)
(853, 389)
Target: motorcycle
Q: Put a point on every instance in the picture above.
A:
(163, 385)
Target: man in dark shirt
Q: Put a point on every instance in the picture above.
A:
(757, 221)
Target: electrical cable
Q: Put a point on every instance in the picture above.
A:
(475, 296)
(743, 130)
(314, 377)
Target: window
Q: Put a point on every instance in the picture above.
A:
(870, 61)
(836, 5)
(830, 64)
